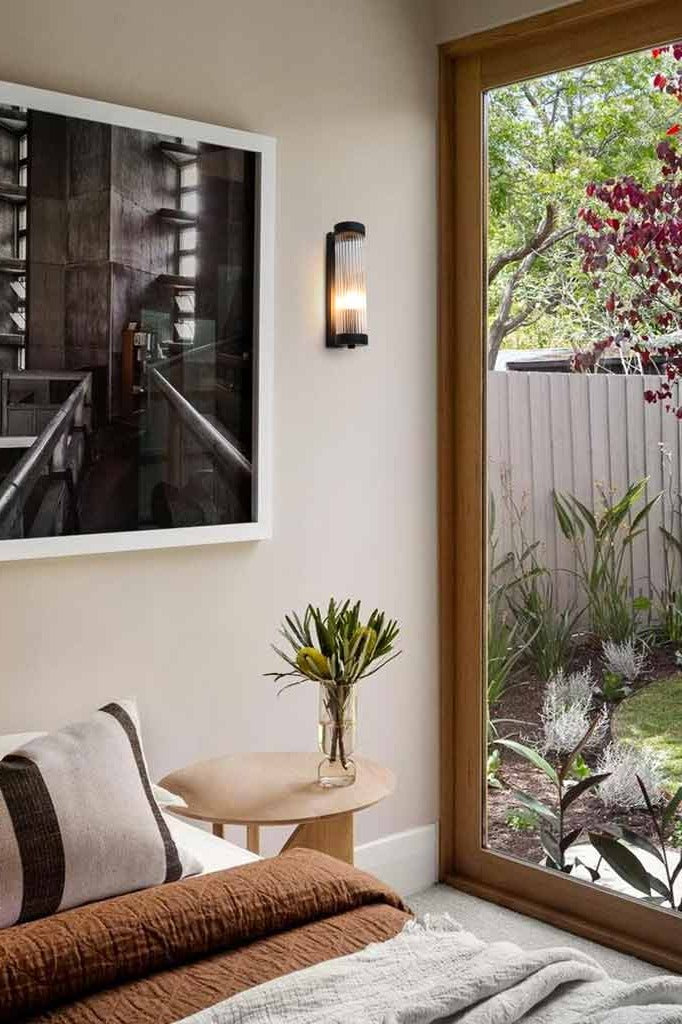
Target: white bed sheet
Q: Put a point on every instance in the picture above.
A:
(215, 854)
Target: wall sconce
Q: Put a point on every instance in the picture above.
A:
(346, 286)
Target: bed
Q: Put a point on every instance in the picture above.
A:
(297, 939)
(165, 953)
(231, 938)
(92, 931)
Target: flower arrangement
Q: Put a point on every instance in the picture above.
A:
(336, 650)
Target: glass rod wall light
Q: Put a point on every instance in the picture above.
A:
(346, 286)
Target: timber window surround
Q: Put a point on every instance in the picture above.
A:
(577, 34)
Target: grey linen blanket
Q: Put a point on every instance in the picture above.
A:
(436, 972)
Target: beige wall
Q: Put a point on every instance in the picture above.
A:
(349, 91)
(462, 17)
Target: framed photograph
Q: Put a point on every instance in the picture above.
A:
(136, 328)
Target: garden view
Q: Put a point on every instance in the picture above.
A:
(584, 758)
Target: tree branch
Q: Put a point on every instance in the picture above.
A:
(520, 319)
(504, 322)
(535, 104)
(538, 238)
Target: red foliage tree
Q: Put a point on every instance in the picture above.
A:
(631, 244)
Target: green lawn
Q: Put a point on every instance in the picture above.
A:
(654, 717)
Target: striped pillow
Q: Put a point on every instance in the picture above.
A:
(78, 821)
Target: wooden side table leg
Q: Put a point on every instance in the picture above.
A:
(328, 835)
(218, 829)
(253, 838)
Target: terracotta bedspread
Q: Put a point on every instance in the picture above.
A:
(162, 954)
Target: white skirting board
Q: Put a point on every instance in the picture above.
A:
(407, 861)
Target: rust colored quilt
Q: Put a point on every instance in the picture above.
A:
(162, 954)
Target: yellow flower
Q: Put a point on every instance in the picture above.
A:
(312, 663)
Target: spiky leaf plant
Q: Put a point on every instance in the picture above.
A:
(334, 648)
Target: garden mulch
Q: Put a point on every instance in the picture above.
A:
(517, 716)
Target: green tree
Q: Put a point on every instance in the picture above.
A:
(547, 138)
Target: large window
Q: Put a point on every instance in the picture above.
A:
(584, 329)
(561, 448)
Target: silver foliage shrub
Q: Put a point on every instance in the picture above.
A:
(568, 710)
(626, 659)
(625, 762)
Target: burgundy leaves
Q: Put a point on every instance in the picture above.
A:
(636, 231)
(669, 83)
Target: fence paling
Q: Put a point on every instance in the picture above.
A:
(578, 433)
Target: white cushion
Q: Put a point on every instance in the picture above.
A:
(11, 741)
(78, 819)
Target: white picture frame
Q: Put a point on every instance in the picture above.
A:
(264, 148)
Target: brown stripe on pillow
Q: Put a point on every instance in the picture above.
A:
(173, 865)
(37, 834)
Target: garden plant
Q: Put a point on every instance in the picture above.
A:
(546, 627)
(555, 836)
(619, 847)
(601, 541)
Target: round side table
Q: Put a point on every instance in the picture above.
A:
(279, 789)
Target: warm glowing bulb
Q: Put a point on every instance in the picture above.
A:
(355, 300)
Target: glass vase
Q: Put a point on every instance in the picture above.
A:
(336, 733)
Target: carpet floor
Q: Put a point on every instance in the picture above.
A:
(492, 923)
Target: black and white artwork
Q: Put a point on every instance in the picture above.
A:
(135, 328)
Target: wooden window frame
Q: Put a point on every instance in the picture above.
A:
(577, 34)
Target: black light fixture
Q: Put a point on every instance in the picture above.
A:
(346, 286)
